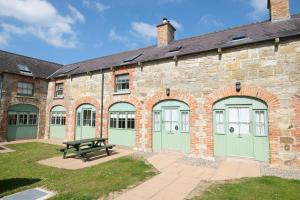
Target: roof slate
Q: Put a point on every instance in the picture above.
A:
(39, 68)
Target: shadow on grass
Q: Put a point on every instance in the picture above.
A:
(14, 183)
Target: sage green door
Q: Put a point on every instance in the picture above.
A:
(170, 129)
(22, 122)
(58, 123)
(85, 122)
(121, 129)
(241, 128)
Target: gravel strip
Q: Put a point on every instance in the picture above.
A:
(283, 173)
(197, 162)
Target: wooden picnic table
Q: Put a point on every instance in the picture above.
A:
(85, 146)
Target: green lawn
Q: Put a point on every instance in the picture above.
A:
(263, 188)
(19, 171)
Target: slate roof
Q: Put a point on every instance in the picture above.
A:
(39, 68)
(257, 32)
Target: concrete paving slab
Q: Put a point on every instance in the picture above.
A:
(177, 179)
(76, 163)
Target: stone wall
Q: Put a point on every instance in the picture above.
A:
(265, 72)
(10, 97)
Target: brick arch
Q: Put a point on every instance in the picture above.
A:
(49, 107)
(246, 91)
(138, 115)
(76, 104)
(179, 96)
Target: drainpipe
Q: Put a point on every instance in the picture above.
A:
(101, 112)
(1, 86)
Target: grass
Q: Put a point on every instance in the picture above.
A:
(263, 188)
(19, 170)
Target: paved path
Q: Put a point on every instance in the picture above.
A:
(177, 180)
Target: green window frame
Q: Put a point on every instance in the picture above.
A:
(59, 90)
(156, 121)
(12, 118)
(219, 122)
(113, 120)
(22, 118)
(122, 120)
(130, 121)
(260, 123)
(122, 83)
(58, 118)
(185, 121)
(25, 89)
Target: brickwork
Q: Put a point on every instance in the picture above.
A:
(199, 81)
(10, 98)
(279, 9)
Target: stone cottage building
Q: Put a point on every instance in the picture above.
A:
(230, 93)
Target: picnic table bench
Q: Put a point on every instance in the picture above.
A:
(83, 147)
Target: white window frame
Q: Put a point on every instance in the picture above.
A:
(216, 123)
(120, 81)
(260, 123)
(23, 86)
(59, 88)
(185, 123)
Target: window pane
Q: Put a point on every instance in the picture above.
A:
(25, 89)
(233, 115)
(113, 120)
(260, 123)
(244, 115)
(156, 121)
(78, 119)
(63, 118)
(130, 120)
(122, 120)
(185, 121)
(12, 118)
(87, 117)
(244, 128)
(122, 82)
(94, 119)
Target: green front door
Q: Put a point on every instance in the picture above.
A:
(22, 122)
(241, 128)
(58, 123)
(239, 134)
(85, 122)
(171, 127)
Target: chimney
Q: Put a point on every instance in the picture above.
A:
(165, 33)
(279, 9)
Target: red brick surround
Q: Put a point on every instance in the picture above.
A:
(174, 95)
(249, 91)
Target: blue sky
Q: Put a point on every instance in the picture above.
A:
(67, 31)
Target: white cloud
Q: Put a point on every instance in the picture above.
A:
(4, 39)
(210, 20)
(40, 18)
(113, 35)
(144, 30)
(259, 8)
(76, 14)
(100, 7)
(176, 24)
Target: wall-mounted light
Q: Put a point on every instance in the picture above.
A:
(168, 91)
(238, 86)
(277, 41)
